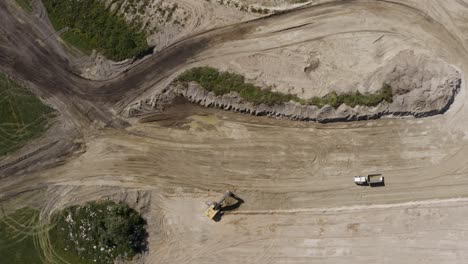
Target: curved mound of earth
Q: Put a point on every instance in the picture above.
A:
(422, 86)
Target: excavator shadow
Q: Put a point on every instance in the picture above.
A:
(232, 202)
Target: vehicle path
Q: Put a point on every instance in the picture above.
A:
(296, 178)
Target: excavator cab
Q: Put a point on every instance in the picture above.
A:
(212, 211)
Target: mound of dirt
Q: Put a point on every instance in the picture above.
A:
(421, 86)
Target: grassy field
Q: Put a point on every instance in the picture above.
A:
(224, 82)
(95, 27)
(25, 4)
(98, 232)
(18, 233)
(22, 115)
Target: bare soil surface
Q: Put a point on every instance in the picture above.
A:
(301, 204)
(165, 22)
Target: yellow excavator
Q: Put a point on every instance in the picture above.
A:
(214, 208)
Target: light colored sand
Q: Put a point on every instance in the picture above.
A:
(301, 205)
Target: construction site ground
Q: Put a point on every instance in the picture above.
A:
(296, 178)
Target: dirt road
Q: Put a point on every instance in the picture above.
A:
(296, 178)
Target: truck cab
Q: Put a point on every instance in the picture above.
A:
(360, 180)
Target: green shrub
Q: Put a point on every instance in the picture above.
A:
(224, 82)
(93, 26)
(98, 232)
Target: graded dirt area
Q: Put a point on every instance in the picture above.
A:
(301, 204)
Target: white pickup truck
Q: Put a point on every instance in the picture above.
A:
(370, 180)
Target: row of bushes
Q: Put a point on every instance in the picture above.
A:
(224, 82)
(352, 99)
(221, 83)
(95, 27)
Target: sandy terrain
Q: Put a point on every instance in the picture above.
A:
(300, 205)
(165, 22)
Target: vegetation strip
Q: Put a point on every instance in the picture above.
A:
(22, 115)
(221, 83)
(93, 26)
(98, 232)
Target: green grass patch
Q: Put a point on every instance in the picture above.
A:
(22, 115)
(98, 232)
(18, 233)
(25, 4)
(224, 82)
(95, 27)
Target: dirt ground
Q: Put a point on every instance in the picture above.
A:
(301, 205)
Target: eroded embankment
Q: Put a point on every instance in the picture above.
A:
(421, 87)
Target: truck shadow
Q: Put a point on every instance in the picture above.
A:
(380, 184)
